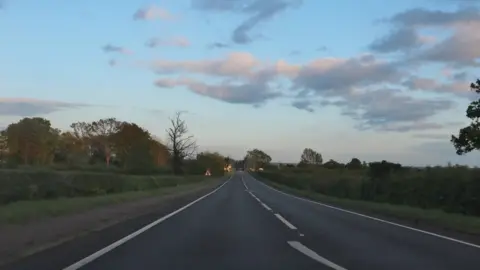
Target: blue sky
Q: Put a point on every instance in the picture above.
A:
(349, 79)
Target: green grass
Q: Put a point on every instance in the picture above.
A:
(24, 211)
(432, 217)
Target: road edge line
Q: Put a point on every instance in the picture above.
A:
(105, 250)
(372, 218)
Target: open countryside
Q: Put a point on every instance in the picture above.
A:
(356, 154)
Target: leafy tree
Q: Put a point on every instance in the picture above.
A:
(32, 140)
(180, 144)
(469, 137)
(159, 152)
(211, 160)
(101, 132)
(128, 137)
(310, 157)
(257, 159)
(332, 164)
(3, 145)
(354, 164)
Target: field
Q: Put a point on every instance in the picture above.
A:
(445, 196)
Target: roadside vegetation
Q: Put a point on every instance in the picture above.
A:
(104, 158)
(447, 196)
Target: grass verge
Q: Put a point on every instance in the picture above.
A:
(24, 211)
(429, 217)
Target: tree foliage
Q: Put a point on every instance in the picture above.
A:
(257, 159)
(468, 138)
(310, 157)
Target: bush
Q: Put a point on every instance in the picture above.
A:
(17, 185)
(452, 189)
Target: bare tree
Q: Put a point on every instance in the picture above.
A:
(180, 144)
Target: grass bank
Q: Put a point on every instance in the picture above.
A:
(430, 217)
(20, 212)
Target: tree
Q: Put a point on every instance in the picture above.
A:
(211, 160)
(310, 157)
(3, 145)
(332, 164)
(469, 137)
(355, 164)
(180, 144)
(256, 159)
(101, 132)
(130, 137)
(159, 152)
(32, 140)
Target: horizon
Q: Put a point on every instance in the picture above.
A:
(375, 82)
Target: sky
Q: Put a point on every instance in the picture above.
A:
(346, 78)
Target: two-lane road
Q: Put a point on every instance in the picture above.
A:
(227, 230)
(245, 224)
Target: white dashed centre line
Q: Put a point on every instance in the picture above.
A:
(266, 207)
(289, 225)
(312, 254)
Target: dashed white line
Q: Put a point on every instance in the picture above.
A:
(289, 225)
(312, 254)
(266, 207)
(125, 239)
(372, 218)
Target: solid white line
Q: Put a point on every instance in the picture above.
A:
(116, 244)
(312, 254)
(372, 218)
(266, 206)
(246, 188)
(289, 225)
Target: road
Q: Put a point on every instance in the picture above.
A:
(245, 224)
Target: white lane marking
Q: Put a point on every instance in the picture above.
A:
(116, 244)
(301, 234)
(312, 254)
(372, 218)
(266, 206)
(246, 188)
(289, 225)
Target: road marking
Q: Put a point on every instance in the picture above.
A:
(312, 254)
(289, 225)
(266, 206)
(373, 218)
(301, 234)
(125, 239)
(246, 188)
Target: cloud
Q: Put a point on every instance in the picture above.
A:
(239, 93)
(360, 86)
(458, 87)
(25, 107)
(258, 11)
(322, 49)
(177, 41)
(109, 48)
(153, 13)
(295, 52)
(460, 47)
(112, 62)
(218, 45)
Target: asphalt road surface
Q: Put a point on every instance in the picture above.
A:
(245, 224)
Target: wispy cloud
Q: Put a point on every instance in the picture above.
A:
(218, 45)
(153, 13)
(178, 41)
(25, 107)
(258, 12)
(109, 48)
